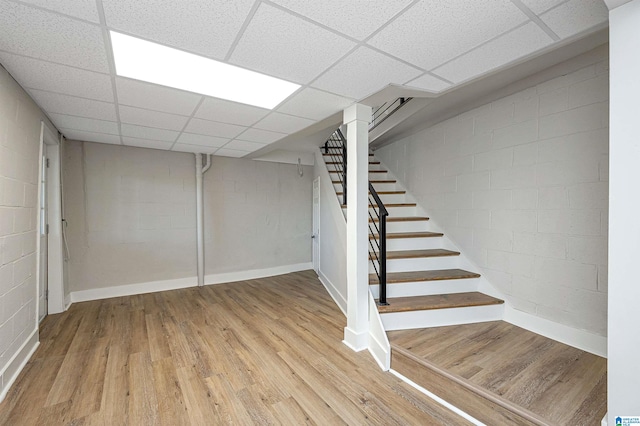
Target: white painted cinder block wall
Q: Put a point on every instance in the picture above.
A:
(131, 218)
(19, 158)
(521, 185)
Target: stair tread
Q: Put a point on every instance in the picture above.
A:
(438, 301)
(389, 205)
(412, 254)
(382, 192)
(340, 162)
(383, 181)
(370, 171)
(370, 155)
(402, 219)
(433, 275)
(409, 235)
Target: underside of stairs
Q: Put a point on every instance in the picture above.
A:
(426, 287)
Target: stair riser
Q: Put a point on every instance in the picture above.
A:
(378, 186)
(409, 226)
(372, 176)
(332, 167)
(441, 317)
(393, 198)
(427, 288)
(420, 264)
(397, 244)
(397, 211)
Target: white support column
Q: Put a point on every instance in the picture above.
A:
(623, 371)
(356, 333)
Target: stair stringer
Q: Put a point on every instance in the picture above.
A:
(378, 344)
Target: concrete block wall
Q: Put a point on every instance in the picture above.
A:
(132, 217)
(19, 158)
(521, 185)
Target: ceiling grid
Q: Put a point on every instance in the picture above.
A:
(338, 52)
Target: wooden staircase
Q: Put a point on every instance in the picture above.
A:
(426, 286)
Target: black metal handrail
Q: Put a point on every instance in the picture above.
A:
(385, 111)
(337, 148)
(378, 245)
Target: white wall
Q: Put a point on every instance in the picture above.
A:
(130, 214)
(257, 215)
(520, 185)
(19, 158)
(333, 238)
(131, 217)
(624, 291)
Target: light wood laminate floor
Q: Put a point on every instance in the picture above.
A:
(562, 384)
(264, 351)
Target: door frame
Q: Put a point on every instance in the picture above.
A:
(50, 146)
(315, 231)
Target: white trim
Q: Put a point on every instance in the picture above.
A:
(67, 301)
(229, 277)
(164, 285)
(356, 341)
(437, 399)
(442, 317)
(131, 289)
(379, 345)
(604, 421)
(17, 362)
(333, 292)
(580, 339)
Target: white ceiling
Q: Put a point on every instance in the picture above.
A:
(338, 51)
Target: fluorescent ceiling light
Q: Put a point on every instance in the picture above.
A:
(146, 61)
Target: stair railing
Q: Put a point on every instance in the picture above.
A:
(385, 111)
(378, 241)
(336, 146)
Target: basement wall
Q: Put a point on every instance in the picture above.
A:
(521, 186)
(19, 165)
(132, 218)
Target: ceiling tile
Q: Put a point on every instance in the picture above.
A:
(154, 97)
(442, 30)
(229, 112)
(147, 143)
(223, 152)
(201, 140)
(356, 18)
(206, 27)
(83, 9)
(262, 136)
(213, 128)
(141, 132)
(37, 74)
(429, 82)
(51, 37)
(85, 124)
(539, 6)
(504, 49)
(244, 145)
(71, 105)
(576, 16)
(183, 147)
(147, 118)
(79, 135)
(284, 46)
(315, 104)
(364, 72)
(283, 123)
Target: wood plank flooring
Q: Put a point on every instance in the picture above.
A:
(559, 383)
(263, 351)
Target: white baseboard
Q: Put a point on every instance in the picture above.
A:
(131, 289)
(67, 301)
(357, 341)
(164, 285)
(229, 277)
(333, 292)
(580, 339)
(13, 368)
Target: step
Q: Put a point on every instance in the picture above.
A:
(402, 219)
(335, 149)
(389, 206)
(438, 301)
(384, 192)
(424, 288)
(488, 408)
(419, 260)
(340, 162)
(391, 236)
(433, 275)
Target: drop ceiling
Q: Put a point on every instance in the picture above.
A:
(340, 52)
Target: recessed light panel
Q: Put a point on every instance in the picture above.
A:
(155, 63)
